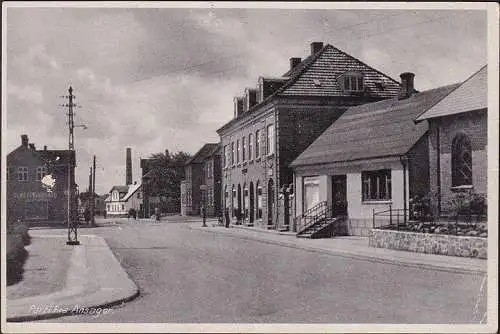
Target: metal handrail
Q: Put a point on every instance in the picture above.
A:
(311, 216)
(393, 214)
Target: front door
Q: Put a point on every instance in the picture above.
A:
(339, 195)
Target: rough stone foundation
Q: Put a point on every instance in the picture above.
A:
(430, 243)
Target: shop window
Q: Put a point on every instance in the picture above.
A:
(376, 185)
(311, 192)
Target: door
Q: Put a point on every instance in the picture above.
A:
(339, 195)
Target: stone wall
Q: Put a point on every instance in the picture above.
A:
(430, 243)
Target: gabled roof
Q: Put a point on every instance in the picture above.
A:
(471, 95)
(131, 190)
(372, 130)
(206, 151)
(124, 191)
(327, 65)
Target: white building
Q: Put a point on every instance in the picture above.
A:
(123, 198)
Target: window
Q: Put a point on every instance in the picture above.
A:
(9, 172)
(22, 174)
(138, 195)
(233, 202)
(225, 156)
(461, 161)
(270, 139)
(250, 146)
(232, 153)
(376, 185)
(244, 149)
(257, 144)
(123, 207)
(353, 82)
(41, 171)
(259, 201)
(238, 150)
(107, 207)
(209, 169)
(226, 197)
(311, 192)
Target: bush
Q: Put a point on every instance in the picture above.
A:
(468, 205)
(422, 207)
(17, 238)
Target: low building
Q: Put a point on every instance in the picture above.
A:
(194, 193)
(211, 192)
(123, 198)
(458, 139)
(28, 198)
(373, 158)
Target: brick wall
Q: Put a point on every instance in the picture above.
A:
(474, 125)
(298, 128)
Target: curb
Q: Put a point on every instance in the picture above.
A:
(349, 255)
(86, 298)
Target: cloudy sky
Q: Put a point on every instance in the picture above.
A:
(164, 78)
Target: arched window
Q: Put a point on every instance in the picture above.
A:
(461, 161)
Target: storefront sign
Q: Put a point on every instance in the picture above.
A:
(35, 196)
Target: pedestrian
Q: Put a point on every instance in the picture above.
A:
(86, 215)
(226, 217)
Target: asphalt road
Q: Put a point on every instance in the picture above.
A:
(192, 276)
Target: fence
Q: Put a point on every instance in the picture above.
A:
(391, 218)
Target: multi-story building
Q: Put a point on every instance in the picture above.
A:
(211, 182)
(28, 198)
(276, 121)
(197, 185)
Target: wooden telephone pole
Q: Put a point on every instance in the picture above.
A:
(92, 203)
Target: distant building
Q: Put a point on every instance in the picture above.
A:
(458, 139)
(27, 198)
(123, 198)
(200, 182)
(274, 122)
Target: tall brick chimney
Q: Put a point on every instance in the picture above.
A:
(407, 87)
(128, 172)
(315, 47)
(24, 140)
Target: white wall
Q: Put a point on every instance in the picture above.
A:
(357, 209)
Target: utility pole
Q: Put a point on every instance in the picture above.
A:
(93, 196)
(72, 224)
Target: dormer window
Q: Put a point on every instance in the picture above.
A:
(352, 82)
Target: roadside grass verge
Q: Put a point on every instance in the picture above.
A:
(17, 238)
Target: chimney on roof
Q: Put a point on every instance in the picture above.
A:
(294, 61)
(128, 167)
(24, 140)
(250, 98)
(32, 146)
(238, 106)
(407, 88)
(315, 47)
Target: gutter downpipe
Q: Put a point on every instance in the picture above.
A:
(438, 167)
(404, 162)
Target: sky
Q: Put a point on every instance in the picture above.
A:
(164, 78)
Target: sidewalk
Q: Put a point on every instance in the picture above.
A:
(94, 282)
(352, 247)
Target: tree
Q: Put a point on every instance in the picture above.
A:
(165, 176)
